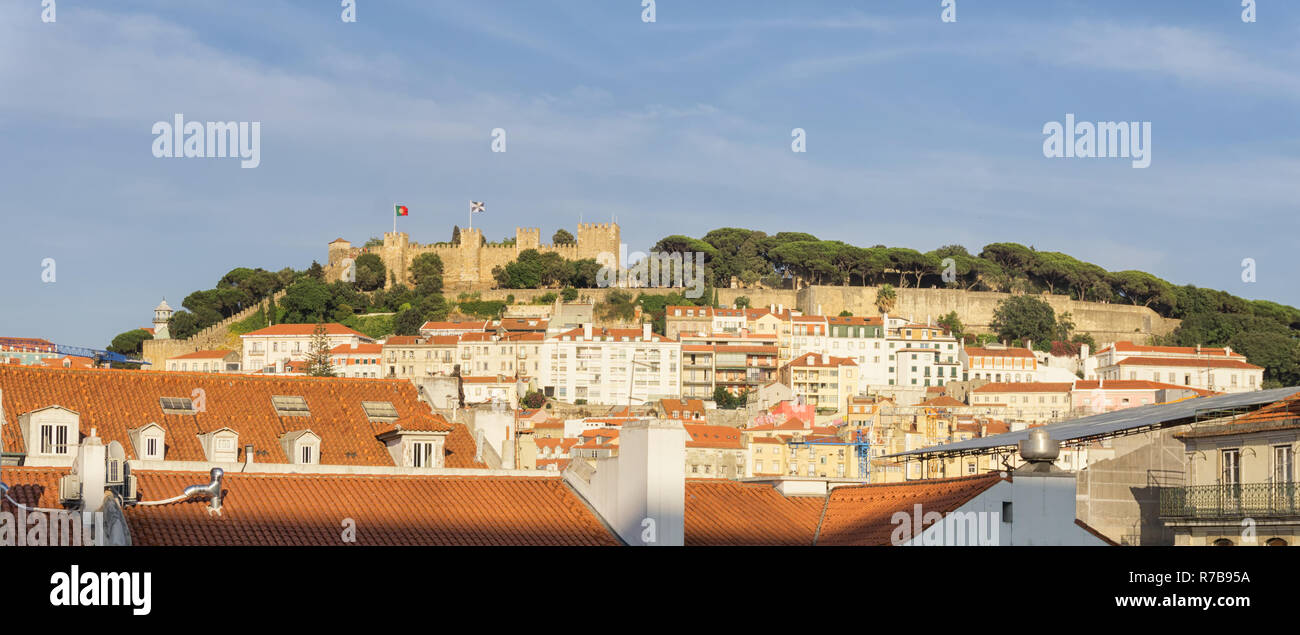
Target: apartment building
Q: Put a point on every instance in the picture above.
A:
(611, 366)
(1217, 369)
(508, 354)
(418, 356)
(205, 362)
(999, 364)
(357, 360)
(1241, 472)
(269, 349)
(1030, 401)
(715, 452)
(822, 381)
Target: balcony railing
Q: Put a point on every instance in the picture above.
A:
(1231, 501)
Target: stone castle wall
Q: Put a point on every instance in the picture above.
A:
(213, 338)
(1105, 322)
(468, 266)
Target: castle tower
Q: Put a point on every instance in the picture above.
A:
(161, 315)
(395, 257)
(527, 238)
(599, 241)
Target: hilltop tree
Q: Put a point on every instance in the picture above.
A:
(131, 343)
(318, 354)
(426, 271)
(371, 272)
(182, 325)
(1024, 317)
(563, 237)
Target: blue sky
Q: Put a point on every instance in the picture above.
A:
(919, 133)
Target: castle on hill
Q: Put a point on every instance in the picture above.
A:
(469, 264)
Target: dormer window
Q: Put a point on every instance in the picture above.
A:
(51, 431)
(302, 447)
(221, 446)
(148, 441)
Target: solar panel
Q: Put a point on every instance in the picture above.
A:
(1116, 422)
(176, 405)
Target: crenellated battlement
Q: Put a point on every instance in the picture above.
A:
(470, 263)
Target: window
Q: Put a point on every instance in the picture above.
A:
(380, 410)
(1283, 464)
(176, 405)
(1231, 462)
(290, 406)
(422, 454)
(151, 448)
(306, 454)
(54, 439)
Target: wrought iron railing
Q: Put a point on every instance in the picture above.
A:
(1231, 501)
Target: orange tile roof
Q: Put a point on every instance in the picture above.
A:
(1176, 350)
(1188, 362)
(616, 333)
(1134, 384)
(862, 515)
(942, 401)
(116, 401)
(974, 351)
(706, 436)
(65, 362)
(361, 349)
(456, 326)
(815, 360)
(332, 328)
(721, 513)
(203, 355)
(309, 510)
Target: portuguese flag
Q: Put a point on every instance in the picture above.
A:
(401, 210)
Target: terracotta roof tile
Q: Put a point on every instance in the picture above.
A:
(862, 514)
(115, 401)
(309, 510)
(731, 513)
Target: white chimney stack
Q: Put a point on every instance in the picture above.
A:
(641, 493)
(586, 331)
(645, 331)
(91, 468)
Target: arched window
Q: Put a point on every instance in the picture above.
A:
(1223, 542)
(1275, 542)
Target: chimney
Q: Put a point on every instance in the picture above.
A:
(1039, 452)
(651, 483)
(826, 359)
(1029, 344)
(354, 345)
(1198, 349)
(586, 331)
(249, 454)
(819, 309)
(1227, 350)
(91, 468)
(645, 331)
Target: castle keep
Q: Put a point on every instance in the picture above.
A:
(469, 265)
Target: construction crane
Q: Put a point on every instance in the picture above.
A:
(27, 344)
(100, 356)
